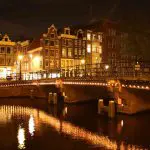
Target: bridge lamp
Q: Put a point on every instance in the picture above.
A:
(106, 67)
(20, 57)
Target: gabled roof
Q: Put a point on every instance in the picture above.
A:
(34, 44)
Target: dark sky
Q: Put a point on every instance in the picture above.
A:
(32, 17)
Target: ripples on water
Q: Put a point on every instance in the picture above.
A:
(36, 119)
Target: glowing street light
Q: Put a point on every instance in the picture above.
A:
(82, 61)
(20, 57)
(106, 67)
(30, 55)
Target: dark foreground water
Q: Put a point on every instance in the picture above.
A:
(31, 124)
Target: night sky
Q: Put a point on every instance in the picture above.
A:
(32, 17)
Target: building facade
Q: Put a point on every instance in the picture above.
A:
(50, 52)
(7, 57)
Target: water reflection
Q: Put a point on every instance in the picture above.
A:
(31, 125)
(120, 126)
(37, 117)
(21, 138)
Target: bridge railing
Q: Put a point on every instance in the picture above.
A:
(97, 71)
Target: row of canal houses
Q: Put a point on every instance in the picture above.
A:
(73, 46)
(63, 49)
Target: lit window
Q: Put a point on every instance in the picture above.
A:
(83, 51)
(100, 49)
(93, 48)
(69, 52)
(76, 51)
(40, 64)
(63, 63)
(51, 63)
(100, 37)
(89, 48)
(64, 52)
(89, 36)
(94, 37)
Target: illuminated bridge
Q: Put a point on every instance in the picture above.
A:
(128, 86)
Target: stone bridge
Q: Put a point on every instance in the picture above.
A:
(128, 86)
(130, 96)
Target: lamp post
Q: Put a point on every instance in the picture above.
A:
(20, 58)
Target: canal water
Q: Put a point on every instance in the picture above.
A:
(33, 125)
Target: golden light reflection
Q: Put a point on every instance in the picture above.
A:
(65, 110)
(67, 128)
(122, 123)
(31, 125)
(21, 138)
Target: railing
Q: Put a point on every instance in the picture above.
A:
(92, 72)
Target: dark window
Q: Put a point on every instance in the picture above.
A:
(46, 62)
(46, 52)
(1, 61)
(64, 41)
(80, 35)
(56, 54)
(69, 42)
(83, 43)
(51, 43)
(8, 50)
(6, 39)
(46, 42)
(76, 42)
(56, 42)
(67, 31)
(8, 61)
(51, 52)
(2, 49)
(52, 35)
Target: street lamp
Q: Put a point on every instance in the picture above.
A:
(20, 57)
(106, 67)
